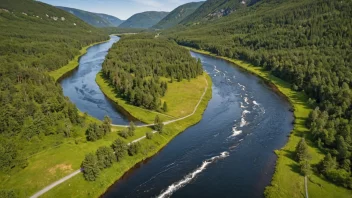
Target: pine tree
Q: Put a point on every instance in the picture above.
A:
(90, 167)
(165, 107)
(302, 152)
(105, 156)
(120, 149)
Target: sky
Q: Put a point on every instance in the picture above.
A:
(122, 9)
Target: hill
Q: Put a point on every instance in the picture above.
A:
(144, 20)
(177, 15)
(214, 9)
(94, 19)
(36, 38)
(115, 22)
(293, 40)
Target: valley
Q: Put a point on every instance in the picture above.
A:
(215, 98)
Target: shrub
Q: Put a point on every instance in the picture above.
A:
(149, 135)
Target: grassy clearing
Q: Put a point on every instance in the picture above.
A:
(73, 64)
(78, 187)
(53, 164)
(287, 182)
(181, 98)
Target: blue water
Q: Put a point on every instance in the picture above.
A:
(229, 153)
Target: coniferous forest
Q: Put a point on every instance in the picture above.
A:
(307, 43)
(36, 38)
(136, 64)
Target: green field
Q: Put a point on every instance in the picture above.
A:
(181, 99)
(287, 181)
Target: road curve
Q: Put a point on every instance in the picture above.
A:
(58, 182)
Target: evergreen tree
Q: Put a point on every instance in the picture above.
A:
(302, 152)
(120, 148)
(106, 126)
(105, 157)
(90, 167)
(165, 107)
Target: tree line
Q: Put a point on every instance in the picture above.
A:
(105, 156)
(136, 64)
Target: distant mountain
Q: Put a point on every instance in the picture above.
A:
(94, 19)
(113, 20)
(144, 19)
(177, 15)
(213, 9)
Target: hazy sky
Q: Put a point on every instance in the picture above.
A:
(122, 9)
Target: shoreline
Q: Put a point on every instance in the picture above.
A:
(115, 173)
(198, 112)
(72, 64)
(285, 181)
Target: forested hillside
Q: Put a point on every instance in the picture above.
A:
(307, 43)
(214, 9)
(114, 21)
(143, 20)
(135, 64)
(177, 15)
(94, 19)
(36, 38)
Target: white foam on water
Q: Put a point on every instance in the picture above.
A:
(245, 112)
(243, 122)
(246, 100)
(188, 178)
(235, 132)
(242, 106)
(216, 70)
(255, 102)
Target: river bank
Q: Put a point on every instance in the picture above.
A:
(78, 187)
(73, 64)
(287, 181)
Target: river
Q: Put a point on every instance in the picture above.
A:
(229, 153)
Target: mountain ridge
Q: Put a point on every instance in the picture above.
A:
(94, 19)
(144, 19)
(177, 15)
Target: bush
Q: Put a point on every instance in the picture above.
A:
(133, 148)
(124, 133)
(149, 135)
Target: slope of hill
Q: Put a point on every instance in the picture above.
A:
(144, 19)
(177, 15)
(114, 21)
(213, 9)
(308, 44)
(36, 38)
(94, 19)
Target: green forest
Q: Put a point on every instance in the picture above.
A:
(306, 43)
(36, 38)
(136, 64)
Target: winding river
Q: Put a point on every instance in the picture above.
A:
(229, 153)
